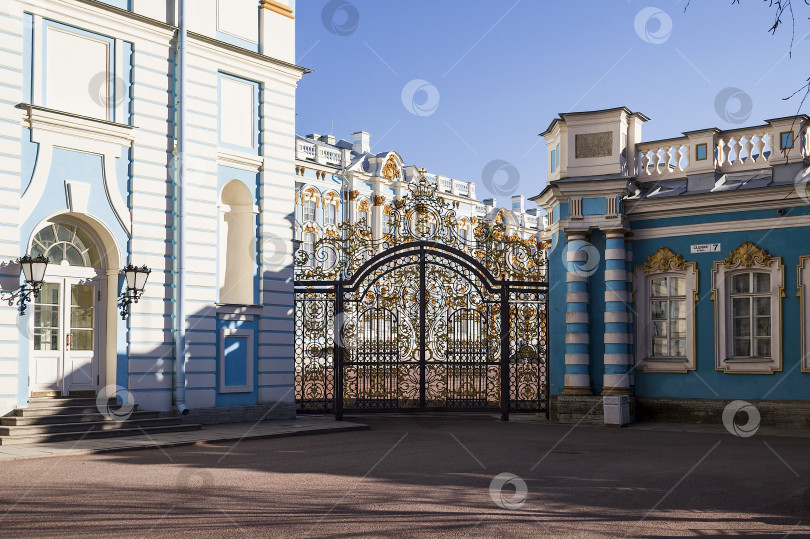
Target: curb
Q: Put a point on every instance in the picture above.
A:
(181, 443)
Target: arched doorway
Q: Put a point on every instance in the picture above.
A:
(68, 324)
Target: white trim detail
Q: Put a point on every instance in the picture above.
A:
(803, 276)
(53, 129)
(241, 160)
(246, 334)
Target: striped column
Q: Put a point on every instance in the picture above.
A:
(631, 319)
(577, 356)
(617, 335)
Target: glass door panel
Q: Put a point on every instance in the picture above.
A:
(46, 318)
(82, 317)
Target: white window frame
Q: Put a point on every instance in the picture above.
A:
(314, 213)
(327, 220)
(745, 259)
(664, 263)
(803, 277)
(309, 247)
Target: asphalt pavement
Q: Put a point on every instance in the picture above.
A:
(445, 476)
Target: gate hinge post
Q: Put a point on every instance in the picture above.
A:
(506, 335)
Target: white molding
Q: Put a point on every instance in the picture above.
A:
(241, 160)
(54, 129)
(772, 196)
(641, 287)
(246, 334)
(727, 226)
(722, 319)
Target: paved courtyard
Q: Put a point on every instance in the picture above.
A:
(411, 476)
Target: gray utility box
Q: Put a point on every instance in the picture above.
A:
(617, 410)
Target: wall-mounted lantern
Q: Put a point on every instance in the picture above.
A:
(136, 282)
(34, 271)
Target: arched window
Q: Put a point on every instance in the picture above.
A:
(66, 244)
(238, 244)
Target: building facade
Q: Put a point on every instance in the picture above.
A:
(339, 181)
(156, 133)
(678, 268)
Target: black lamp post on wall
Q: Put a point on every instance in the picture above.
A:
(136, 282)
(34, 272)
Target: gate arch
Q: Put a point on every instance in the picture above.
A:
(421, 324)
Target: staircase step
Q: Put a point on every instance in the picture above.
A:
(66, 418)
(53, 402)
(82, 427)
(64, 410)
(65, 436)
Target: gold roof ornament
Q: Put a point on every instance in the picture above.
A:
(746, 255)
(664, 259)
(391, 170)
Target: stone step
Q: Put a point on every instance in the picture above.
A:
(54, 402)
(82, 427)
(66, 418)
(66, 436)
(65, 410)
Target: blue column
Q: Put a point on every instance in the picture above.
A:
(577, 337)
(617, 336)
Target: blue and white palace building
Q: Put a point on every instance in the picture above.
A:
(160, 134)
(679, 268)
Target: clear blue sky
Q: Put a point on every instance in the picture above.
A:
(500, 70)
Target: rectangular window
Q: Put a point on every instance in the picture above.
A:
(668, 316)
(751, 314)
(786, 140)
(363, 216)
(309, 247)
(309, 210)
(701, 151)
(330, 214)
(553, 160)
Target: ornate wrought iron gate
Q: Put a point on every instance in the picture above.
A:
(422, 324)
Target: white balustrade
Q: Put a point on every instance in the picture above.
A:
(306, 150)
(744, 149)
(663, 159)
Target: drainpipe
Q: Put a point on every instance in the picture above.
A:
(180, 176)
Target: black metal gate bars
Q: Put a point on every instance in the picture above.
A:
(418, 322)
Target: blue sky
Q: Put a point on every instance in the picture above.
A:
(496, 72)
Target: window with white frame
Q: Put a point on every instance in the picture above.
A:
(747, 290)
(310, 207)
(309, 247)
(751, 314)
(363, 216)
(665, 290)
(329, 214)
(668, 316)
(804, 301)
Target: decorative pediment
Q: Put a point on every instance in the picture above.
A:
(664, 259)
(391, 169)
(746, 255)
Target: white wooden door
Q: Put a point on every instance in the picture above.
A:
(65, 354)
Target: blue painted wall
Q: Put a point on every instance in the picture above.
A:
(790, 383)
